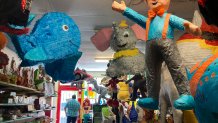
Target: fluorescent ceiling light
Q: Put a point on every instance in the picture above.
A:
(101, 60)
(104, 60)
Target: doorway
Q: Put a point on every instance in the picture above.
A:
(65, 93)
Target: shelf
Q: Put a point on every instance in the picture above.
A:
(23, 120)
(48, 109)
(36, 111)
(40, 117)
(20, 120)
(18, 88)
(5, 104)
(50, 96)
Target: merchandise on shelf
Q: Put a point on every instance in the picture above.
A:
(3, 40)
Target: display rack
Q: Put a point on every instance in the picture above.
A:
(5, 104)
(5, 86)
(21, 120)
(18, 88)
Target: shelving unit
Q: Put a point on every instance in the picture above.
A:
(43, 110)
(20, 120)
(4, 104)
(4, 86)
(18, 88)
(35, 111)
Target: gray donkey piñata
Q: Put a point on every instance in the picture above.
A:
(127, 58)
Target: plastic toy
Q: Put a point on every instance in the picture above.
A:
(56, 46)
(160, 47)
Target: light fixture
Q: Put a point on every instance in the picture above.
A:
(103, 60)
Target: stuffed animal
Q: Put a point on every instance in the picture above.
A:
(56, 46)
(127, 58)
(161, 47)
(139, 83)
(123, 93)
(203, 83)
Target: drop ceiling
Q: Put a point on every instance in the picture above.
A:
(92, 15)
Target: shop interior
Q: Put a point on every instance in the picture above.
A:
(117, 61)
